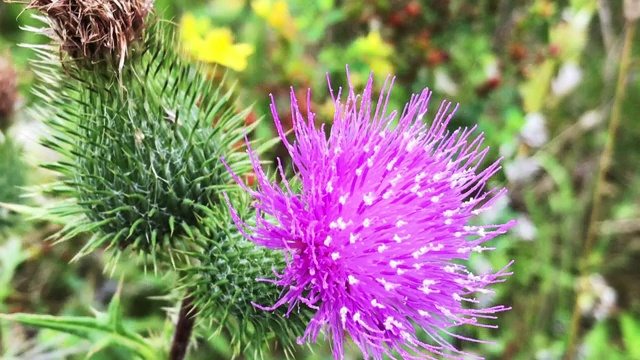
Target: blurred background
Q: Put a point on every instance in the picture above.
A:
(540, 78)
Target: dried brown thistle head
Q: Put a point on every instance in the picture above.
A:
(95, 30)
(8, 91)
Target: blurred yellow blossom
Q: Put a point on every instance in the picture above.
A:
(374, 52)
(277, 15)
(205, 43)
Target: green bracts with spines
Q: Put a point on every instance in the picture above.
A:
(142, 156)
(224, 284)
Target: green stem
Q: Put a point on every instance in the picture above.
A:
(604, 164)
(1, 346)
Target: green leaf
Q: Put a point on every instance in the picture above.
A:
(599, 345)
(104, 330)
(565, 198)
(630, 327)
(11, 255)
(536, 89)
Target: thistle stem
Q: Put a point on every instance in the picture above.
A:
(184, 328)
(605, 163)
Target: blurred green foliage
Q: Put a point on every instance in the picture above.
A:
(536, 76)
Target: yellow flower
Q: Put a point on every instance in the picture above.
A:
(212, 45)
(277, 15)
(374, 52)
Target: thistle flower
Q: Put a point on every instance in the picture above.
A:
(94, 30)
(377, 234)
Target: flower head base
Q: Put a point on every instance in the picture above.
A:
(374, 236)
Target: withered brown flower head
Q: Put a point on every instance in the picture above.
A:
(8, 91)
(95, 30)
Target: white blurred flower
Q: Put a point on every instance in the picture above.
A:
(444, 83)
(492, 69)
(525, 229)
(521, 170)
(578, 19)
(534, 132)
(597, 298)
(492, 214)
(508, 149)
(569, 76)
(631, 9)
(591, 119)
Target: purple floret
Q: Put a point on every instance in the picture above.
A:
(375, 236)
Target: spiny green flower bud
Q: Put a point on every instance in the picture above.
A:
(8, 92)
(141, 163)
(223, 281)
(94, 30)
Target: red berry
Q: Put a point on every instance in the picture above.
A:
(396, 20)
(249, 179)
(436, 57)
(554, 50)
(517, 52)
(413, 9)
(488, 86)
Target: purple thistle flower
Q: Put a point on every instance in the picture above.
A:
(374, 237)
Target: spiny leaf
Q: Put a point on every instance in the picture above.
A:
(104, 330)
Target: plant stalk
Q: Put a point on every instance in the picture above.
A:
(604, 165)
(184, 328)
